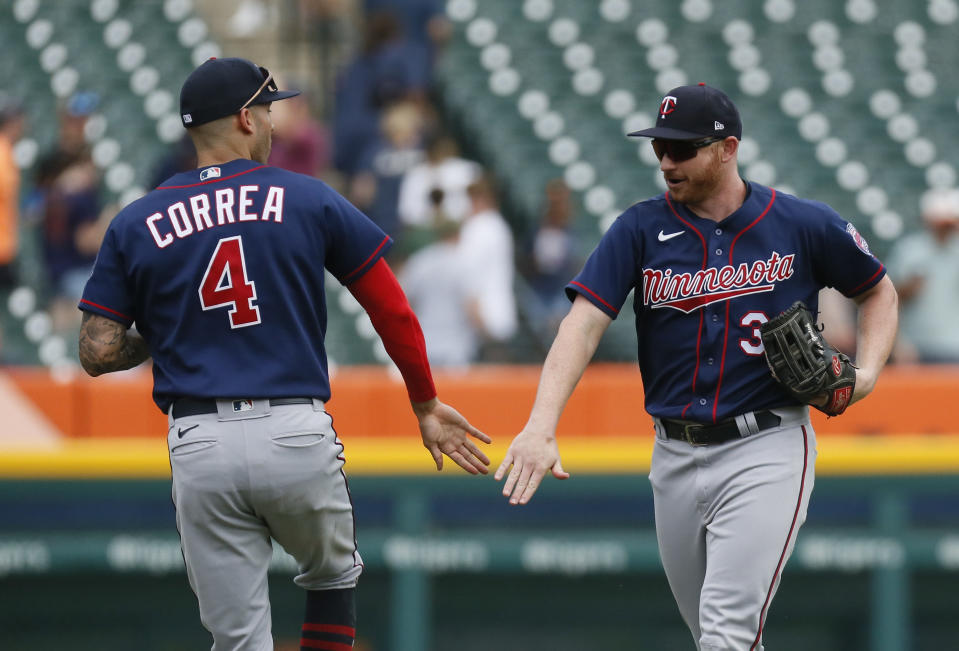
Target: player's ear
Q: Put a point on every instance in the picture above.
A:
(730, 148)
(245, 120)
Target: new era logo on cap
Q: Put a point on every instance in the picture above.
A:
(693, 113)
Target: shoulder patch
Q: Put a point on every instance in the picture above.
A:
(859, 239)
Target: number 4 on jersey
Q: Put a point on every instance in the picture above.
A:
(225, 284)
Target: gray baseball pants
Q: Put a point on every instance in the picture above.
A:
(242, 478)
(727, 516)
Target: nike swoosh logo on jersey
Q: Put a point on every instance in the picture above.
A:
(663, 237)
(182, 432)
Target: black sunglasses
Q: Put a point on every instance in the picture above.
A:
(268, 84)
(680, 150)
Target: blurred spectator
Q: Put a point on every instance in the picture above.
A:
(437, 283)
(443, 169)
(180, 157)
(486, 246)
(551, 260)
(424, 21)
(70, 206)
(300, 142)
(925, 269)
(376, 188)
(385, 72)
(331, 28)
(12, 122)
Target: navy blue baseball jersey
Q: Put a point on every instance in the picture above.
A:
(702, 290)
(222, 271)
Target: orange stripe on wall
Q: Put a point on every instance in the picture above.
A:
(369, 401)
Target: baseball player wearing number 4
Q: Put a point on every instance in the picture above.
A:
(222, 270)
(710, 261)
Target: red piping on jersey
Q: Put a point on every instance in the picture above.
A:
(699, 335)
(330, 628)
(594, 295)
(722, 363)
(853, 291)
(792, 529)
(217, 180)
(101, 307)
(347, 277)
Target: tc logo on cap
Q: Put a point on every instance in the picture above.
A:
(668, 106)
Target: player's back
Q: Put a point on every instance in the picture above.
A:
(225, 274)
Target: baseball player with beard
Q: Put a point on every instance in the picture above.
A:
(710, 261)
(222, 271)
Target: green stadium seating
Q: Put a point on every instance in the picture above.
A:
(788, 55)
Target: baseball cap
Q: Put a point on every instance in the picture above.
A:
(694, 112)
(221, 87)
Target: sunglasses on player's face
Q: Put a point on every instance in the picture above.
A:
(680, 150)
(268, 84)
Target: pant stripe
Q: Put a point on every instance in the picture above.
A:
(792, 529)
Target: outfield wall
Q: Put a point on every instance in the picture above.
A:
(371, 401)
(89, 554)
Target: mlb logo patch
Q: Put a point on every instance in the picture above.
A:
(242, 405)
(210, 173)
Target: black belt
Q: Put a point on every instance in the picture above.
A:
(698, 434)
(183, 407)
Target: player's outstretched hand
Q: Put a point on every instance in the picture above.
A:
(531, 456)
(445, 431)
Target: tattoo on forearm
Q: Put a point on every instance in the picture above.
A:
(106, 345)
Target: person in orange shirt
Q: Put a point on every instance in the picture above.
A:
(12, 121)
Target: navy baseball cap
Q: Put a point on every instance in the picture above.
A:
(222, 87)
(695, 112)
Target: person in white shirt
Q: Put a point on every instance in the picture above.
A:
(438, 286)
(486, 246)
(443, 170)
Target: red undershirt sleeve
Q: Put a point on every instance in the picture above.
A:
(381, 296)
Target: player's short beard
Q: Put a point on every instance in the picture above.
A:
(701, 187)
